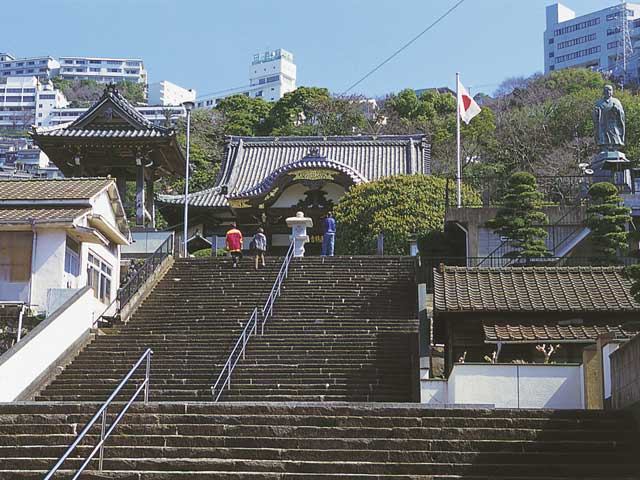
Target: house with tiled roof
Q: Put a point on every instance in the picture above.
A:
(60, 235)
(264, 180)
(478, 311)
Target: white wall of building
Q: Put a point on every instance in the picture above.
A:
(167, 93)
(27, 360)
(41, 67)
(508, 386)
(47, 265)
(592, 40)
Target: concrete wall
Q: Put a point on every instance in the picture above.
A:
(625, 375)
(508, 386)
(30, 359)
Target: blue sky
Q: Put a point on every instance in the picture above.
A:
(208, 44)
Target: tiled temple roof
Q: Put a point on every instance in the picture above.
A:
(532, 289)
(250, 161)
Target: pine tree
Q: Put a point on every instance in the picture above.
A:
(633, 272)
(521, 219)
(607, 218)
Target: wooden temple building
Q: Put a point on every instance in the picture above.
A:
(264, 180)
(113, 139)
(478, 311)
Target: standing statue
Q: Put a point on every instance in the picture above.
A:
(608, 120)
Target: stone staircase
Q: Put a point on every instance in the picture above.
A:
(344, 329)
(325, 441)
(191, 321)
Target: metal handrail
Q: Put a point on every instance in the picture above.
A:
(126, 292)
(251, 328)
(267, 310)
(102, 412)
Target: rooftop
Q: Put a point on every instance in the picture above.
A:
(532, 289)
(52, 189)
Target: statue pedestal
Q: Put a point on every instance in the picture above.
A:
(299, 225)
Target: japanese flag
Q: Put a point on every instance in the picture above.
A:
(467, 106)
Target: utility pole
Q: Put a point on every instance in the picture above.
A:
(625, 48)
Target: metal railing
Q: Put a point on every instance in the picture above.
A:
(102, 414)
(267, 310)
(251, 328)
(139, 278)
(237, 351)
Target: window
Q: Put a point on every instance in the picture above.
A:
(613, 31)
(48, 96)
(577, 26)
(99, 278)
(15, 256)
(611, 45)
(577, 41)
(551, 41)
(72, 258)
(550, 54)
(578, 54)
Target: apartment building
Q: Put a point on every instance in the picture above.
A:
(167, 94)
(103, 70)
(42, 67)
(607, 40)
(26, 101)
(271, 75)
(156, 114)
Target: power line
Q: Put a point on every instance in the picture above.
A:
(226, 90)
(442, 17)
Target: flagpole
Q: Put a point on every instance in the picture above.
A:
(458, 164)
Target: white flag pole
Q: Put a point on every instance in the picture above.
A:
(458, 164)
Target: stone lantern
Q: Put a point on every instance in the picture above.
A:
(299, 225)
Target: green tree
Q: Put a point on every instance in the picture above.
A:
(205, 154)
(398, 207)
(633, 271)
(242, 115)
(84, 93)
(608, 220)
(521, 219)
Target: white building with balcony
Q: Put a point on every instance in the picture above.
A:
(26, 101)
(271, 75)
(169, 94)
(157, 114)
(42, 67)
(103, 70)
(604, 40)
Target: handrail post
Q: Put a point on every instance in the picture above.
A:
(103, 428)
(147, 379)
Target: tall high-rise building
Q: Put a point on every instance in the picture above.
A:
(271, 75)
(607, 40)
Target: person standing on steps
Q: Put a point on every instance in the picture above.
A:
(259, 246)
(328, 235)
(234, 243)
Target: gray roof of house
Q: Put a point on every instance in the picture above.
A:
(251, 163)
(533, 289)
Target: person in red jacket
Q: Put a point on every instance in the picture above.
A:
(234, 243)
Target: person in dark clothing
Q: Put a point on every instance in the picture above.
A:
(328, 235)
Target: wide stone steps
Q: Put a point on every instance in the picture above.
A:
(325, 440)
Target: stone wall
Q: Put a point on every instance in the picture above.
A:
(625, 375)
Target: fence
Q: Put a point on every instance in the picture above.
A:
(556, 190)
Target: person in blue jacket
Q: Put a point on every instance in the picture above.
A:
(328, 234)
